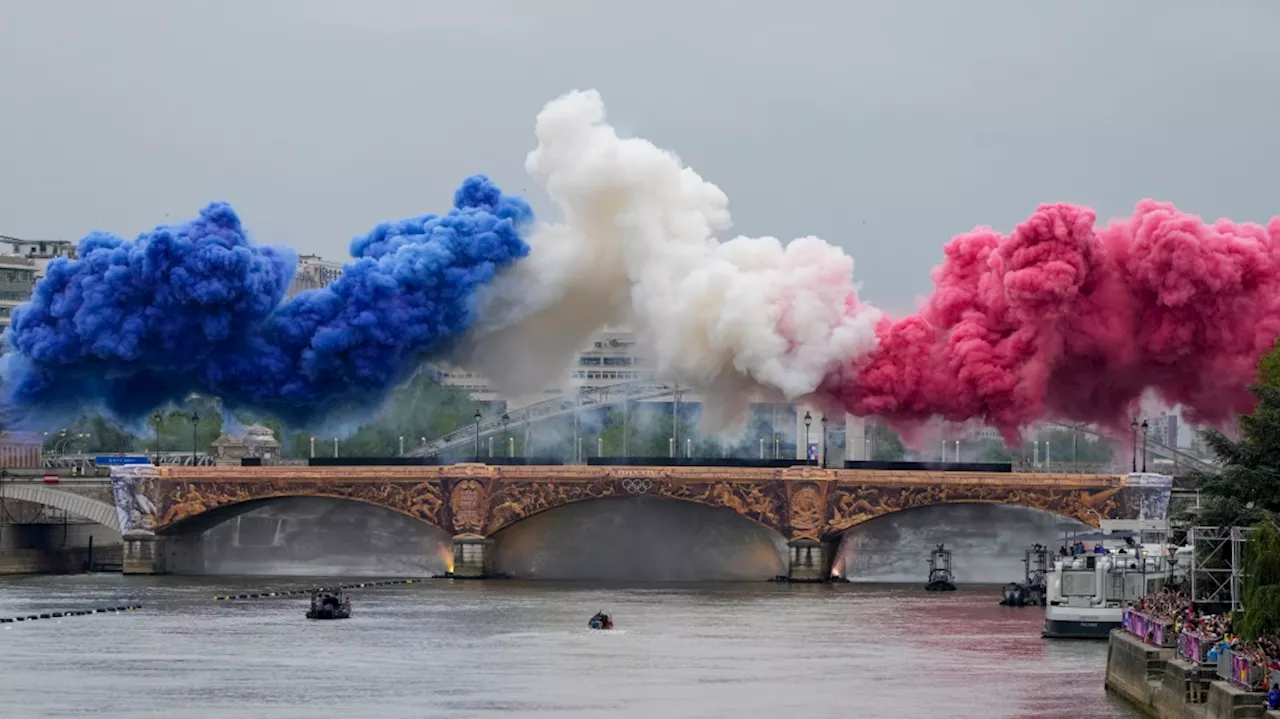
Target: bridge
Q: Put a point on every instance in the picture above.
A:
(623, 394)
(87, 499)
(807, 506)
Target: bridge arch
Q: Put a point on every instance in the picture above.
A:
(86, 507)
(639, 538)
(851, 505)
(184, 519)
(505, 517)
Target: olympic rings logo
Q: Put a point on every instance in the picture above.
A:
(636, 486)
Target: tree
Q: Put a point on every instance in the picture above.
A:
(1247, 489)
(886, 446)
(1261, 615)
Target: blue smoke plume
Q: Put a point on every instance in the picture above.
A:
(131, 326)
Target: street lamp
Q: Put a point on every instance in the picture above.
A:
(477, 418)
(808, 420)
(1133, 432)
(1145, 427)
(824, 441)
(195, 443)
(156, 419)
(402, 445)
(506, 439)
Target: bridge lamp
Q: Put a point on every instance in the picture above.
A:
(477, 418)
(195, 443)
(824, 441)
(506, 438)
(1133, 431)
(1145, 427)
(808, 420)
(402, 445)
(156, 419)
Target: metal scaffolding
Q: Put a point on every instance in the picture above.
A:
(1217, 565)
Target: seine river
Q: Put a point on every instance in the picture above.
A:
(485, 649)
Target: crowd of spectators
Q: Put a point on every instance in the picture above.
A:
(1174, 608)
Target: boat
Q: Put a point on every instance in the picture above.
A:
(1030, 592)
(1124, 561)
(940, 578)
(601, 621)
(329, 605)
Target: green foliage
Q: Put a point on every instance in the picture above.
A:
(1261, 615)
(886, 446)
(1269, 367)
(1247, 490)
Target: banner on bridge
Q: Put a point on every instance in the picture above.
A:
(115, 460)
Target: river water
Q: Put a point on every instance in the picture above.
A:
(483, 649)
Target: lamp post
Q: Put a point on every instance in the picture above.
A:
(1133, 432)
(506, 439)
(477, 418)
(824, 441)
(808, 420)
(957, 450)
(335, 447)
(195, 443)
(1145, 427)
(402, 445)
(313, 447)
(156, 419)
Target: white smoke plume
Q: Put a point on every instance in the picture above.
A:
(738, 319)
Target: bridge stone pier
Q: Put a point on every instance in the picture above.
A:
(163, 509)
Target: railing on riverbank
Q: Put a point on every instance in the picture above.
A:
(1193, 647)
(1241, 670)
(1149, 629)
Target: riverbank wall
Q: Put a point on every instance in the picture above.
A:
(1155, 681)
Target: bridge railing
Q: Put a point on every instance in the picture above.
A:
(616, 394)
(86, 463)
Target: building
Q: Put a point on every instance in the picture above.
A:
(20, 450)
(313, 273)
(22, 266)
(17, 281)
(254, 442)
(1164, 429)
(609, 359)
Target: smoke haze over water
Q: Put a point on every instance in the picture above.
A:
(987, 542)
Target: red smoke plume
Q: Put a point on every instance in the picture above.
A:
(1066, 321)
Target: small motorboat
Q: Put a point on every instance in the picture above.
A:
(940, 578)
(329, 605)
(601, 621)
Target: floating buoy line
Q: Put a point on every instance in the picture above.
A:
(295, 592)
(71, 613)
(220, 597)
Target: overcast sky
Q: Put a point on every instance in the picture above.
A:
(886, 127)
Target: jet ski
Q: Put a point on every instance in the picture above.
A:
(601, 621)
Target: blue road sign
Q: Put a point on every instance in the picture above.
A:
(114, 459)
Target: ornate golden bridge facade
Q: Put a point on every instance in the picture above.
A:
(808, 506)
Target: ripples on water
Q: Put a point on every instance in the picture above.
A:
(484, 649)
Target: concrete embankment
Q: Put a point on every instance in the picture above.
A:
(1155, 682)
